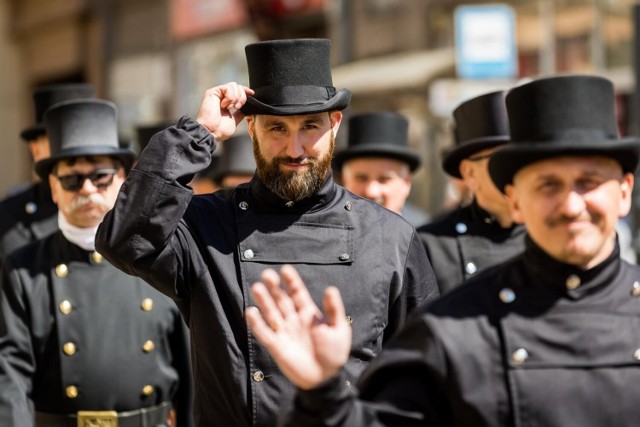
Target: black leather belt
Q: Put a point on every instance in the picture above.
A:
(145, 417)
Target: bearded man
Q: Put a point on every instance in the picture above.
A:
(206, 251)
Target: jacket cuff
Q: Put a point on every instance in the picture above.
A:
(327, 397)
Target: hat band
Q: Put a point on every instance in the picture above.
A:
(582, 136)
(294, 95)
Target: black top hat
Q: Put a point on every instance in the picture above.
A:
(46, 96)
(237, 158)
(380, 134)
(292, 77)
(557, 116)
(84, 127)
(144, 133)
(480, 123)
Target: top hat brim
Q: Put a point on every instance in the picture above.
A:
(378, 150)
(452, 159)
(338, 102)
(44, 167)
(506, 161)
(32, 132)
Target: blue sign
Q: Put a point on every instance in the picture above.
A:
(486, 42)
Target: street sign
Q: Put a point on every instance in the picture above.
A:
(485, 42)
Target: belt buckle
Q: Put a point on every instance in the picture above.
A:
(97, 419)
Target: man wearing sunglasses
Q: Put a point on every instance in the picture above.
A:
(471, 238)
(82, 343)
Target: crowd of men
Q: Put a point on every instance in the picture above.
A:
(181, 285)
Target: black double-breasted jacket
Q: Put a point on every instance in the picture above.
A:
(465, 241)
(206, 252)
(27, 216)
(78, 334)
(533, 342)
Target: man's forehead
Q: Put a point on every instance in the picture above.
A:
(375, 166)
(561, 166)
(315, 117)
(84, 161)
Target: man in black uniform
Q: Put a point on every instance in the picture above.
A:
(78, 336)
(377, 163)
(206, 251)
(31, 214)
(549, 338)
(477, 236)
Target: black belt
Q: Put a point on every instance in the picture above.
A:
(145, 417)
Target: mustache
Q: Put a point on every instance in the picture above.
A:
(564, 219)
(81, 201)
(294, 160)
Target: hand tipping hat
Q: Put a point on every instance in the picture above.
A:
(378, 134)
(46, 96)
(558, 116)
(292, 77)
(480, 123)
(86, 127)
(236, 159)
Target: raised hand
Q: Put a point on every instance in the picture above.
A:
(220, 109)
(308, 347)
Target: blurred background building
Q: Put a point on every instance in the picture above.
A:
(155, 58)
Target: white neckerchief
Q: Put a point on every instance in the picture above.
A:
(83, 237)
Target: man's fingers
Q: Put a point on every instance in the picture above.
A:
(297, 290)
(271, 279)
(333, 306)
(268, 308)
(259, 327)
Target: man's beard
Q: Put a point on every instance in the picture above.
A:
(293, 185)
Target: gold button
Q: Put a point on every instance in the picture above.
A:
(148, 346)
(147, 390)
(635, 290)
(65, 307)
(258, 376)
(573, 281)
(71, 391)
(96, 257)
(69, 348)
(147, 304)
(349, 320)
(62, 270)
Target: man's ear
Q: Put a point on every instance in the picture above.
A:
(514, 204)
(251, 125)
(626, 190)
(467, 171)
(54, 188)
(336, 119)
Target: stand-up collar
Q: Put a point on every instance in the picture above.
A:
(545, 271)
(271, 201)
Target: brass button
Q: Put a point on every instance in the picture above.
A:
(30, 208)
(635, 290)
(244, 205)
(520, 356)
(344, 257)
(146, 304)
(347, 383)
(65, 307)
(461, 228)
(258, 376)
(349, 320)
(147, 390)
(573, 281)
(71, 391)
(148, 346)
(62, 270)
(248, 254)
(470, 268)
(507, 296)
(96, 257)
(69, 348)
(347, 206)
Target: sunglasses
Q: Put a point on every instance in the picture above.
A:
(101, 178)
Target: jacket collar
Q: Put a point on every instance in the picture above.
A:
(575, 283)
(271, 202)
